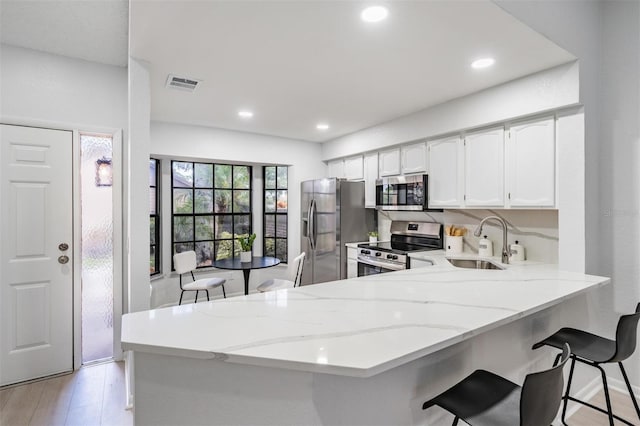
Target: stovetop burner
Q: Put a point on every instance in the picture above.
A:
(396, 247)
(410, 237)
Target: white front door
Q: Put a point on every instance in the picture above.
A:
(36, 294)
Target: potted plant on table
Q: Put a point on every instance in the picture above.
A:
(373, 236)
(246, 242)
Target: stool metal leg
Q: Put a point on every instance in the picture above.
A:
(566, 394)
(455, 421)
(557, 359)
(196, 296)
(606, 394)
(631, 394)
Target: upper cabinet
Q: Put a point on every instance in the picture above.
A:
(414, 158)
(370, 176)
(389, 162)
(335, 168)
(445, 171)
(484, 169)
(532, 164)
(492, 168)
(353, 168)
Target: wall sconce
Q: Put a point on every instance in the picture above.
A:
(104, 172)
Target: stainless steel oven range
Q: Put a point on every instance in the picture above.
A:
(406, 237)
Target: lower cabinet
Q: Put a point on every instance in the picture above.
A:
(352, 262)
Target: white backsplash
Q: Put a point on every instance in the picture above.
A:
(536, 230)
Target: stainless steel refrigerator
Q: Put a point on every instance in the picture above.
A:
(333, 214)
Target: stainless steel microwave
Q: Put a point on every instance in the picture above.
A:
(402, 193)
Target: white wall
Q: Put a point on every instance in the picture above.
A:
(544, 91)
(137, 184)
(45, 90)
(175, 141)
(39, 88)
(605, 36)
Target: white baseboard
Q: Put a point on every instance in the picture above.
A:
(621, 387)
(592, 388)
(584, 394)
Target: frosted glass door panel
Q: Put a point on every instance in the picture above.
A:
(97, 251)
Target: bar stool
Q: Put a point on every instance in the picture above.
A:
(486, 399)
(595, 350)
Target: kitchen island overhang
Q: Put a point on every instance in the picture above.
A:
(360, 334)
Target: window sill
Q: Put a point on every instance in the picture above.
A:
(156, 277)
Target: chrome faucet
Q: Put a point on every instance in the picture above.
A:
(505, 248)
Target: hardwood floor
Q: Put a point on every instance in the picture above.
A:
(622, 406)
(92, 396)
(95, 396)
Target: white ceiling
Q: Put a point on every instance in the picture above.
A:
(297, 63)
(94, 30)
(293, 63)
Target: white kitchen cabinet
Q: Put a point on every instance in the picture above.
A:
(484, 169)
(531, 150)
(335, 169)
(445, 172)
(353, 168)
(370, 176)
(414, 158)
(389, 162)
(352, 262)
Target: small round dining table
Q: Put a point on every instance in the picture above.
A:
(257, 262)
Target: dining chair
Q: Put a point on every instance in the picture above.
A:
(186, 262)
(594, 350)
(293, 277)
(486, 399)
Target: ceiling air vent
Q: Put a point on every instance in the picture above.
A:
(182, 83)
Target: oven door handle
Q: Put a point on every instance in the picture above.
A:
(385, 265)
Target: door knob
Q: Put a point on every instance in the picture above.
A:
(63, 259)
(63, 247)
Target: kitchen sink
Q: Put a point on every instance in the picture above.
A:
(474, 264)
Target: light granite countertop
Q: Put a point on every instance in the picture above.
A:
(356, 327)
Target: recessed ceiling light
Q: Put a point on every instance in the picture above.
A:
(374, 14)
(245, 114)
(322, 126)
(482, 63)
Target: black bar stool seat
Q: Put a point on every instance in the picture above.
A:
(594, 350)
(486, 399)
(583, 344)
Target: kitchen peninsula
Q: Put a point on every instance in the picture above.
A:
(365, 350)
